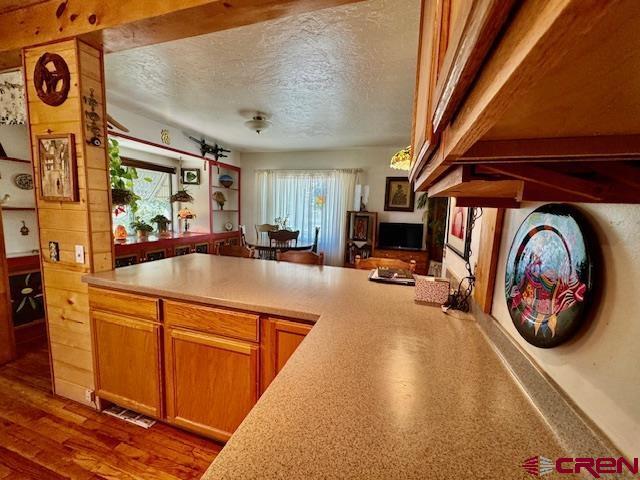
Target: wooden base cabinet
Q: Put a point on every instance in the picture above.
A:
(212, 382)
(128, 362)
(280, 338)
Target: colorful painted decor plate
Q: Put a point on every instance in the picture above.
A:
(549, 275)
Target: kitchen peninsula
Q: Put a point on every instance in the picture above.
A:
(380, 387)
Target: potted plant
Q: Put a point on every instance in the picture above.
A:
(122, 180)
(181, 196)
(142, 228)
(162, 223)
(220, 199)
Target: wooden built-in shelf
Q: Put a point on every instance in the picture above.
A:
(17, 209)
(12, 159)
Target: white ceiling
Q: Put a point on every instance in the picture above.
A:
(335, 78)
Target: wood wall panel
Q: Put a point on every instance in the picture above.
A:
(86, 222)
(7, 344)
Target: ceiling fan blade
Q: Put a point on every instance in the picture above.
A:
(112, 122)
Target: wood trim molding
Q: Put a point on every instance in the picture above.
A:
(489, 250)
(131, 162)
(463, 61)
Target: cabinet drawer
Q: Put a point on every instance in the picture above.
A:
(215, 320)
(124, 303)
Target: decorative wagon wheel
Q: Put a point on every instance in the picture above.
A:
(52, 86)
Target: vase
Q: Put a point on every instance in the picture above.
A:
(142, 235)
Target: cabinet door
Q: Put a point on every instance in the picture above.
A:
(212, 382)
(127, 361)
(280, 338)
(422, 138)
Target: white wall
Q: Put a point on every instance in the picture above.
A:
(374, 161)
(149, 129)
(600, 368)
(15, 140)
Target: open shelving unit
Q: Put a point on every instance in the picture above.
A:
(230, 213)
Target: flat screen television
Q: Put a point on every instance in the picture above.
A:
(400, 235)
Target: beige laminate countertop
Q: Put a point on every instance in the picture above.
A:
(380, 388)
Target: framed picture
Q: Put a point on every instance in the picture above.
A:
(57, 168)
(190, 176)
(398, 195)
(458, 227)
(360, 228)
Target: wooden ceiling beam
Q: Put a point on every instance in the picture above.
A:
(124, 24)
(591, 148)
(586, 189)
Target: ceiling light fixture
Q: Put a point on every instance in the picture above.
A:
(402, 159)
(258, 123)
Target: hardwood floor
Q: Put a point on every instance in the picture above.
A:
(45, 437)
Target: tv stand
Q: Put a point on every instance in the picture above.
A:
(406, 255)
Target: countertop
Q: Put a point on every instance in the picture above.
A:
(380, 388)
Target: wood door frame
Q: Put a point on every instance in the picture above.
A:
(7, 336)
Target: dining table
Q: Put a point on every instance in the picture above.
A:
(266, 250)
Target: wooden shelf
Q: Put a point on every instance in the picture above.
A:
(12, 159)
(225, 210)
(17, 209)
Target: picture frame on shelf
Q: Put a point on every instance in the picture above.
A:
(190, 176)
(459, 229)
(57, 168)
(399, 195)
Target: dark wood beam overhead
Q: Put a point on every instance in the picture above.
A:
(125, 24)
(572, 149)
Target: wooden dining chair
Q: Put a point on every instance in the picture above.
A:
(263, 230)
(234, 251)
(306, 258)
(375, 262)
(283, 239)
(314, 249)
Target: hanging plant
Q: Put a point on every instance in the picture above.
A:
(122, 180)
(181, 196)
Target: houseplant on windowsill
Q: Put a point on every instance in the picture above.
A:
(162, 223)
(142, 228)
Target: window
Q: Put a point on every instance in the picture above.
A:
(154, 187)
(308, 199)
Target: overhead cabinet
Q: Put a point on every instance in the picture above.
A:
(198, 367)
(527, 101)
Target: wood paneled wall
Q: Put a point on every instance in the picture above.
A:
(86, 222)
(7, 344)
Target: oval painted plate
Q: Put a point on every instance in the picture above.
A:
(548, 278)
(24, 181)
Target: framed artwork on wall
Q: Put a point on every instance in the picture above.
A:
(399, 195)
(190, 176)
(458, 229)
(58, 173)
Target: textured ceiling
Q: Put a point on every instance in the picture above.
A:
(335, 78)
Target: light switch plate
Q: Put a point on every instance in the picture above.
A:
(79, 254)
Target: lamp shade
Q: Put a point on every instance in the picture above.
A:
(402, 159)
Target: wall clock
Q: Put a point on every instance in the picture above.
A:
(549, 274)
(52, 79)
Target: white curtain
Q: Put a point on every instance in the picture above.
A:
(309, 199)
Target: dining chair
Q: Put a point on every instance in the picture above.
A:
(375, 262)
(243, 234)
(234, 251)
(306, 258)
(263, 230)
(314, 249)
(283, 238)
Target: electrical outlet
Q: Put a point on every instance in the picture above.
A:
(79, 254)
(90, 396)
